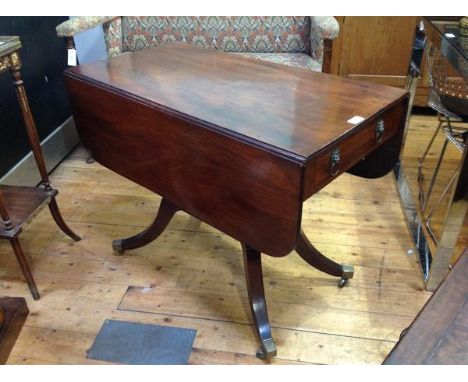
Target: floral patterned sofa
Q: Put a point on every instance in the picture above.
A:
(300, 41)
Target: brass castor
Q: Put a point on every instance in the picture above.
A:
(343, 281)
(117, 245)
(348, 273)
(267, 349)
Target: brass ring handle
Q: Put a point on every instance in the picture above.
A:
(335, 162)
(379, 131)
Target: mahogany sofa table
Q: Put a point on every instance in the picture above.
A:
(236, 142)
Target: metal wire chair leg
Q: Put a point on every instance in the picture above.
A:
(422, 195)
(434, 176)
(437, 204)
(431, 142)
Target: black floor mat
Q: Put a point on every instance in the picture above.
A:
(142, 344)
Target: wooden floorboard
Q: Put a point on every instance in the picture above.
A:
(192, 276)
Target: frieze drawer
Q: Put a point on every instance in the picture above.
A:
(342, 155)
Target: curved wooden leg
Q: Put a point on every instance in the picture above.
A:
(254, 278)
(54, 210)
(24, 267)
(164, 216)
(312, 256)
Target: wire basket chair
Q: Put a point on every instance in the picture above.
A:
(449, 97)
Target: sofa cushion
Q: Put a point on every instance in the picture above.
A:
(279, 34)
(298, 60)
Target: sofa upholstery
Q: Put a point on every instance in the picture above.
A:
(291, 40)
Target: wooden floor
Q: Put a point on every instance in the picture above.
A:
(192, 276)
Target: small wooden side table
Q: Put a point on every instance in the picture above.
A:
(18, 205)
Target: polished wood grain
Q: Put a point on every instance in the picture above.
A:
(313, 257)
(439, 334)
(165, 213)
(220, 180)
(290, 111)
(256, 293)
(31, 130)
(361, 153)
(382, 161)
(229, 140)
(14, 313)
(212, 116)
(23, 204)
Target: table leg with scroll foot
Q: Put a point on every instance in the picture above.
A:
(312, 256)
(164, 216)
(57, 216)
(254, 278)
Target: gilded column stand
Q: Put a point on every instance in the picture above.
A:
(12, 221)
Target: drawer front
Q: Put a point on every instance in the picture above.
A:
(350, 149)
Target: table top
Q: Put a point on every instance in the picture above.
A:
(291, 111)
(22, 204)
